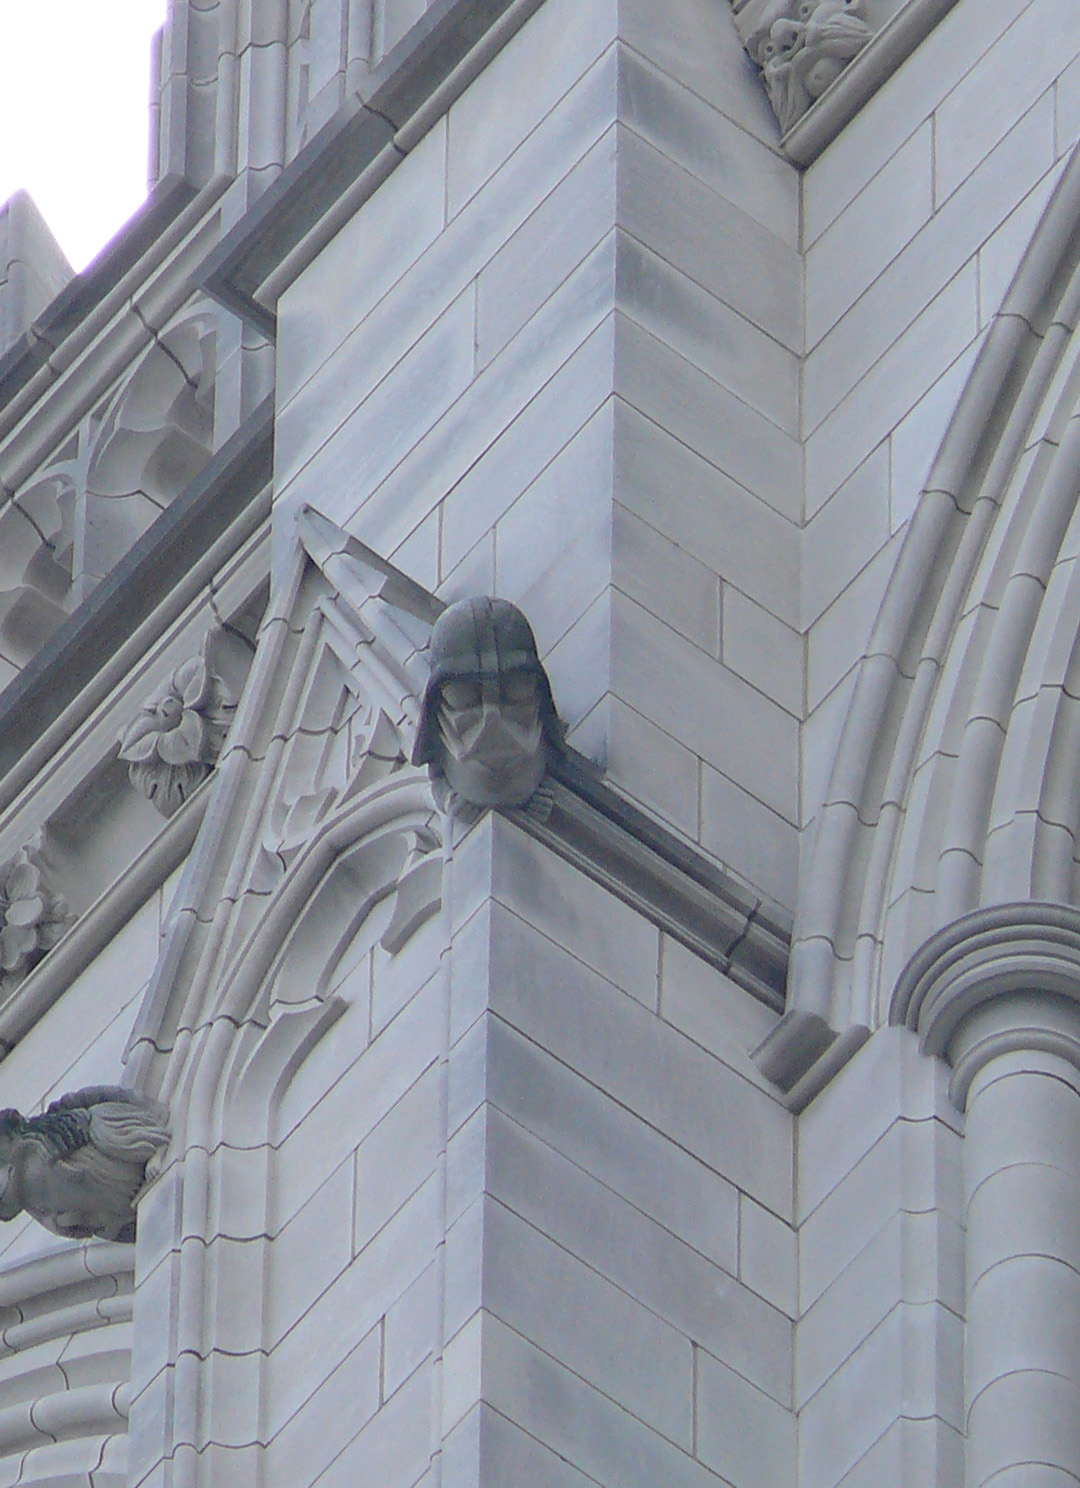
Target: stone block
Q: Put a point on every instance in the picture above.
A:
(553, 545)
(605, 1139)
(887, 1080)
(412, 1327)
(621, 1243)
(467, 1074)
(665, 580)
(498, 1454)
(698, 46)
(929, 262)
(370, 425)
(379, 1276)
(546, 248)
(895, 1373)
(742, 1434)
(708, 333)
(591, 1326)
(888, 118)
(693, 503)
(677, 121)
(914, 1167)
(915, 1258)
(466, 1165)
(820, 735)
(535, 434)
(670, 1082)
(579, 1423)
(768, 1256)
(915, 441)
(575, 913)
(763, 650)
(839, 639)
(916, 1451)
(394, 1448)
(326, 302)
(651, 766)
(433, 462)
(702, 1003)
(462, 1362)
(1016, 71)
(396, 1158)
(691, 405)
(310, 1253)
(707, 238)
(841, 538)
(356, 1102)
(519, 87)
(868, 234)
(464, 1282)
(891, 389)
(1000, 255)
(728, 723)
(579, 667)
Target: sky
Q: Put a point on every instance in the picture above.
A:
(74, 91)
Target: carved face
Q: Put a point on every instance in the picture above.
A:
(492, 738)
(11, 1203)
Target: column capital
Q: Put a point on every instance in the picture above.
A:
(997, 981)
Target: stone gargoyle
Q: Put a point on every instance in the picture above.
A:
(79, 1168)
(488, 727)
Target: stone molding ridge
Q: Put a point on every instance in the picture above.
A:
(700, 903)
(1001, 980)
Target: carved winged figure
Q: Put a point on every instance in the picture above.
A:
(79, 1168)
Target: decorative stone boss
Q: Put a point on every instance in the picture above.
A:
(488, 726)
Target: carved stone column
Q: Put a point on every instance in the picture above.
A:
(997, 995)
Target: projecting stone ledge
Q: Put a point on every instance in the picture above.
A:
(702, 904)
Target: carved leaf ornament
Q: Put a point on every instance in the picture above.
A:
(32, 917)
(174, 741)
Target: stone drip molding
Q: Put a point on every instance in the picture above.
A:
(1006, 773)
(821, 60)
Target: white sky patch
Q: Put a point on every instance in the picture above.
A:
(74, 109)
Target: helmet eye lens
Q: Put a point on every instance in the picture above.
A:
(461, 694)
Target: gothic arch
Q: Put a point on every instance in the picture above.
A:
(956, 782)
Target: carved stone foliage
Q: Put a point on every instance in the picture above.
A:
(79, 1168)
(173, 743)
(33, 915)
(801, 47)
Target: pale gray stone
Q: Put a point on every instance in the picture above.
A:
(801, 48)
(742, 1434)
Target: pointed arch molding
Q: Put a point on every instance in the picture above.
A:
(956, 782)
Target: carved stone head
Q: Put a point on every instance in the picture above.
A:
(487, 721)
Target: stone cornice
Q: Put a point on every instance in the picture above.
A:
(356, 151)
(997, 981)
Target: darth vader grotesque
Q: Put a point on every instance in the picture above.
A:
(488, 725)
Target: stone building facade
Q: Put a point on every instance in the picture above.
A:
(718, 1125)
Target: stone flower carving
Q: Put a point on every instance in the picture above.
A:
(33, 918)
(801, 47)
(172, 744)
